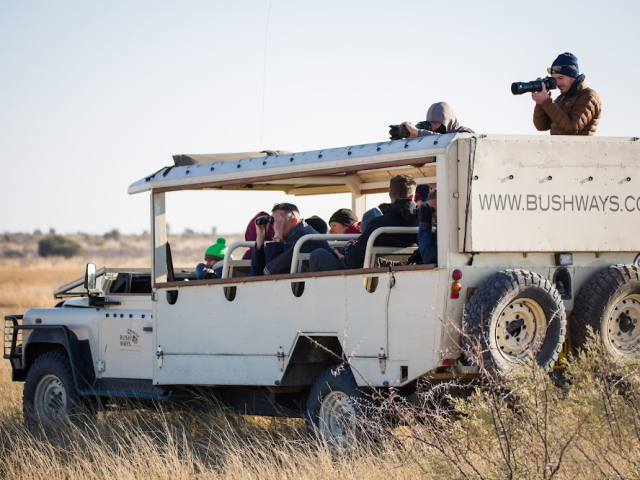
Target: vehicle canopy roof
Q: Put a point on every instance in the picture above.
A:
(359, 168)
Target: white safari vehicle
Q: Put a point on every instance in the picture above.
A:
(538, 237)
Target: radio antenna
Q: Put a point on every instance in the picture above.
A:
(264, 74)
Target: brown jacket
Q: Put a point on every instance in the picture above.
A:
(575, 113)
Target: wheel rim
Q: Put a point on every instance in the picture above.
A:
(621, 327)
(50, 400)
(520, 327)
(338, 419)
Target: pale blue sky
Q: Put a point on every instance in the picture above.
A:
(96, 95)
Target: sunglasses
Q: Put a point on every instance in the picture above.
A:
(556, 69)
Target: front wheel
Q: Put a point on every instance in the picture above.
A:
(335, 408)
(49, 390)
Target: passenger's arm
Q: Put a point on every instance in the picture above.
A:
(581, 114)
(204, 273)
(427, 243)
(355, 256)
(258, 260)
(278, 258)
(541, 120)
(426, 133)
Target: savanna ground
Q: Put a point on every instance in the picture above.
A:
(523, 426)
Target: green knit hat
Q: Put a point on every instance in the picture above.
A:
(216, 251)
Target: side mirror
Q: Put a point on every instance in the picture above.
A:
(90, 277)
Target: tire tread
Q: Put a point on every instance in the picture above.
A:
(594, 297)
(489, 293)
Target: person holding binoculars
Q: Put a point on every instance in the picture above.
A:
(272, 258)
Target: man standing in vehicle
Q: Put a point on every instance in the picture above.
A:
(272, 258)
(576, 111)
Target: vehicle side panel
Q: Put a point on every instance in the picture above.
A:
(564, 194)
(207, 339)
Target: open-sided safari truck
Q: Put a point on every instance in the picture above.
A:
(532, 231)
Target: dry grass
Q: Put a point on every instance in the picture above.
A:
(524, 426)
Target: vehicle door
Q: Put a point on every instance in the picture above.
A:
(126, 338)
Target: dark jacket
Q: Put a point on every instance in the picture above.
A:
(400, 213)
(275, 257)
(427, 243)
(576, 112)
(204, 273)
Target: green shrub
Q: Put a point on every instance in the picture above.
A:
(112, 235)
(57, 245)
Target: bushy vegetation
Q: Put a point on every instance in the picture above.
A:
(528, 424)
(523, 425)
(585, 425)
(57, 245)
(113, 234)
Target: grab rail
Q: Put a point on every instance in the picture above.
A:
(227, 255)
(343, 237)
(380, 231)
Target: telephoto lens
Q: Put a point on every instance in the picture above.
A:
(518, 88)
(264, 220)
(398, 132)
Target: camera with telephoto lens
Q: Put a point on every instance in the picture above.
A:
(264, 220)
(518, 88)
(398, 132)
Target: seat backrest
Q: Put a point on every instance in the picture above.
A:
(122, 283)
(372, 252)
(397, 254)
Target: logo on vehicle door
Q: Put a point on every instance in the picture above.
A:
(130, 341)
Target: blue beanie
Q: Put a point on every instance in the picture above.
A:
(568, 64)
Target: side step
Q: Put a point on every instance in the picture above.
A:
(133, 388)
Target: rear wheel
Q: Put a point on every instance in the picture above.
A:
(609, 304)
(49, 390)
(513, 315)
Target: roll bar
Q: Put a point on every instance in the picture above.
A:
(342, 237)
(380, 231)
(227, 255)
(335, 239)
(343, 240)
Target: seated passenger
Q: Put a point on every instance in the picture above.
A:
(213, 257)
(271, 258)
(427, 229)
(318, 224)
(344, 221)
(368, 216)
(399, 213)
(422, 193)
(250, 234)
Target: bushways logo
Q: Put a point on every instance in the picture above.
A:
(559, 203)
(130, 341)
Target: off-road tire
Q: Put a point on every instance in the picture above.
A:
(609, 303)
(500, 311)
(335, 408)
(49, 390)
